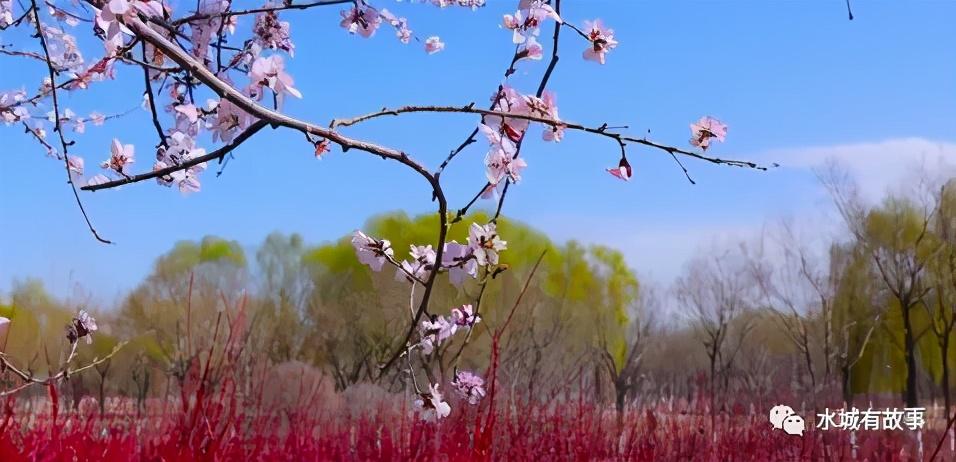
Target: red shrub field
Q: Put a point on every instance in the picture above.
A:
(219, 429)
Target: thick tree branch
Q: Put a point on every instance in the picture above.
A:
(226, 91)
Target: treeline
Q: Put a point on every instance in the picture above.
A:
(819, 318)
(318, 306)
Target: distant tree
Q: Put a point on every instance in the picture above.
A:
(716, 293)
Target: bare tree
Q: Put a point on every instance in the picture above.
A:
(798, 289)
(625, 376)
(715, 293)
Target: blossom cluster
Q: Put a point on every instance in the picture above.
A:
(261, 61)
(434, 332)
(432, 404)
(461, 261)
(6, 12)
(504, 134)
(438, 329)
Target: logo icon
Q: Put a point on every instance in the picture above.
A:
(783, 418)
(778, 414)
(794, 425)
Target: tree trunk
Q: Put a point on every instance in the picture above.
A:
(620, 391)
(944, 347)
(847, 392)
(713, 396)
(909, 345)
(598, 385)
(102, 392)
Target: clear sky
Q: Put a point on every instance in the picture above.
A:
(795, 81)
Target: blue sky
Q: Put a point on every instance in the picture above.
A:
(795, 81)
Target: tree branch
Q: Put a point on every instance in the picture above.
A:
(226, 91)
(57, 124)
(601, 130)
(218, 153)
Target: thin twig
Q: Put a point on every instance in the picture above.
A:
(602, 130)
(152, 103)
(289, 6)
(58, 125)
(218, 153)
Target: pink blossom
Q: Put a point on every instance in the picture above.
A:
(473, 4)
(547, 107)
(434, 45)
(17, 114)
(490, 192)
(97, 179)
(64, 52)
(68, 117)
(509, 100)
(6, 18)
(485, 243)
(601, 38)
(186, 180)
(149, 8)
(270, 72)
(705, 129)
(187, 118)
(500, 160)
(107, 20)
(431, 404)
(189, 111)
(402, 31)
(83, 326)
(469, 386)
(434, 332)
(180, 148)
(271, 33)
(121, 155)
(4, 325)
(201, 37)
(56, 13)
(361, 19)
(97, 118)
(371, 251)
(115, 8)
(457, 258)
(79, 125)
(532, 50)
(465, 316)
(623, 170)
(203, 30)
(497, 139)
(499, 164)
(187, 183)
(526, 22)
(75, 164)
(423, 261)
(321, 148)
(229, 120)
